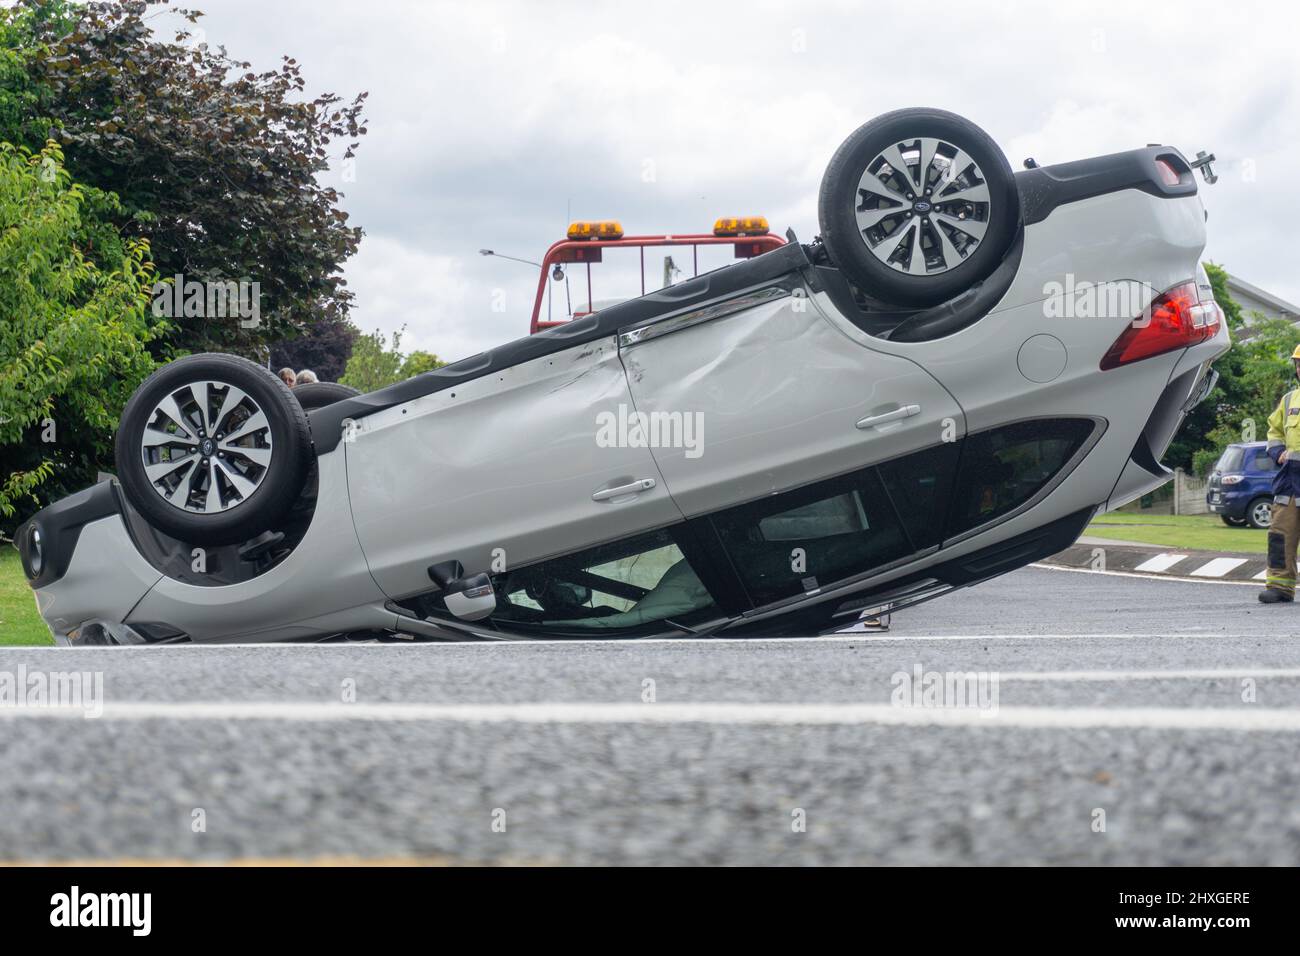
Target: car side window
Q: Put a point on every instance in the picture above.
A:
(1004, 467)
(798, 541)
(920, 485)
(618, 586)
(1262, 462)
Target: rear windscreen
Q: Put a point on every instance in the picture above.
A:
(1230, 460)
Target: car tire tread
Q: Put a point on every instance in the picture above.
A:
(836, 201)
(291, 434)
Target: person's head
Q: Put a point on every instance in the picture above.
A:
(288, 376)
(306, 377)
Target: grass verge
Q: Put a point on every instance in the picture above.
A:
(19, 622)
(1181, 532)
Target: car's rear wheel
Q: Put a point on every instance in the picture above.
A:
(319, 394)
(1259, 514)
(917, 206)
(213, 449)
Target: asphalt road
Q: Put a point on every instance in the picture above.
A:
(1115, 695)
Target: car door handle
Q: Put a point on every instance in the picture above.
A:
(898, 414)
(635, 488)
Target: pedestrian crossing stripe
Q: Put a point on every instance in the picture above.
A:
(1161, 562)
(1218, 567)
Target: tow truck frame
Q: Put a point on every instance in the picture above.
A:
(587, 251)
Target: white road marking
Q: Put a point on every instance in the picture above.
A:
(1218, 567)
(886, 638)
(1261, 576)
(1172, 578)
(1170, 718)
(1236, 673)
(1161, 562)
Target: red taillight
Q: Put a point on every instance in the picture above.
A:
(1168, 173)
(1173, 321)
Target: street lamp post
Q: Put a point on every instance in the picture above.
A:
(527, 262)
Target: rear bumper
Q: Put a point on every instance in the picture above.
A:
(1192, 380)
(1144, 473)
(1233, 510)
(1235, 505)
(1045, 188)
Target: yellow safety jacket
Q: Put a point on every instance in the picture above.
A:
(1284, 435)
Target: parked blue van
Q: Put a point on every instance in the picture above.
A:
(1240, 486)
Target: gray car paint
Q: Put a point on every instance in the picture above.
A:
(501, 471)
(509, 461)
(780, 391)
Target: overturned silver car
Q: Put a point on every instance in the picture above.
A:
(964, 368)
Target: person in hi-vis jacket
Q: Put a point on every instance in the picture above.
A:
(1284, 526)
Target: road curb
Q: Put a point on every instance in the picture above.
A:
(1162, 561)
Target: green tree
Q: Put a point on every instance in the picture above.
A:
(325, 349)
(1258, 371)
(73, 343)
(417, 363)
(215, 164)
(374, 364)
(1253, 374)
(23, 121)
(19, 95)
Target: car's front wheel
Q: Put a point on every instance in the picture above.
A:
(213, 449)
(917, 206)
(1232, 522)
(1259, 514)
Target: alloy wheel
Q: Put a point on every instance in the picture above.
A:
(207, 447)
(923, 206)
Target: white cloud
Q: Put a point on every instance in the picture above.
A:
(389, 276)
(490, 122)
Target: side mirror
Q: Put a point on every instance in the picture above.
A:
(469, 598)
(446, 572)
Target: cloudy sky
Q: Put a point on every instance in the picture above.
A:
(491, 124)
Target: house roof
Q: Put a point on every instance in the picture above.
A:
(1282, 306)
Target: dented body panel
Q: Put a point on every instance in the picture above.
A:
(502, 468)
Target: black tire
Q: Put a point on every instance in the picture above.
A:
(840, 199)
(316, 395)
(1254, 511)
(1233, 522)
(278, 484)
